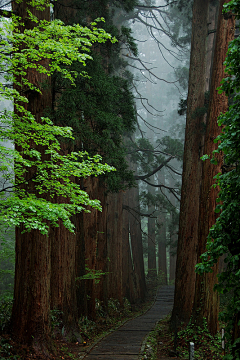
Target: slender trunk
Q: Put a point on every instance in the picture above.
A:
(102, 262)
(129, 289)
(173, 258)
(91, 237)
(162, 237)
(136, 244)
(206, 302)
(192, 169)
(162, 258)
(152, 265)
(173, 231)
(114, 231)
(80, 267)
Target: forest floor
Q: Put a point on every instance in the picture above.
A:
(91, 331)
(160, 343)
(159, 346)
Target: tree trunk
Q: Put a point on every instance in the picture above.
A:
(192, 169)
(90, 237)
(63, 279)
(30, 313)
(162, 236)
(206, 302)
(152, 265)
(129, 288)
(173, 258)
(173, 236)
(114, 231)
(136, 245)
(102, 249)
(162, 258)
(80, 267)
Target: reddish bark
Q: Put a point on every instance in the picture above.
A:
(192, 169)
(80, 267)
(90, 236)
(63, 279)
(30, 314)
(206, 300)
(102, 262)
(114, 232)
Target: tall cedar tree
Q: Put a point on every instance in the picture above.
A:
(192, 169)
(31, 308)
(101, 111)
(206, 300)
(30, 314)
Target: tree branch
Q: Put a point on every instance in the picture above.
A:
(128, 208)
(143, 177)
(164, 186)
(7, 13)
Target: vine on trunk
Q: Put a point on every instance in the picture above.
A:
(224, 236)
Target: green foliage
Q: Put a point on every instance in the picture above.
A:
(182, 107)
(206, 345)
(5, 312)
(56, 318)
(92, 274)
(100, 108)
(180, 15)
(101, 111)
(7, 257)
(172, 146)
(127, 38)
(224, 236)
(36, 158)
(182, 74)
(6, 350)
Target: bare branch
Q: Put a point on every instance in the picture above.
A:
(143, 177)
(163, 186)
(147, 7)
(126, 207)
(149, 70)
(173, 170)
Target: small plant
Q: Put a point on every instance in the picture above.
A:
(150, 350)
(5, 311)
(206, 345)
(99, 308)
(6, 350)
(161, 277)
(91, 274)
(127, 307)
(87, 326)
(56, 321)
(113, 307)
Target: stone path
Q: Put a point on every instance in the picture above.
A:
(125, 343)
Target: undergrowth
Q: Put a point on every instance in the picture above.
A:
(160, 342)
